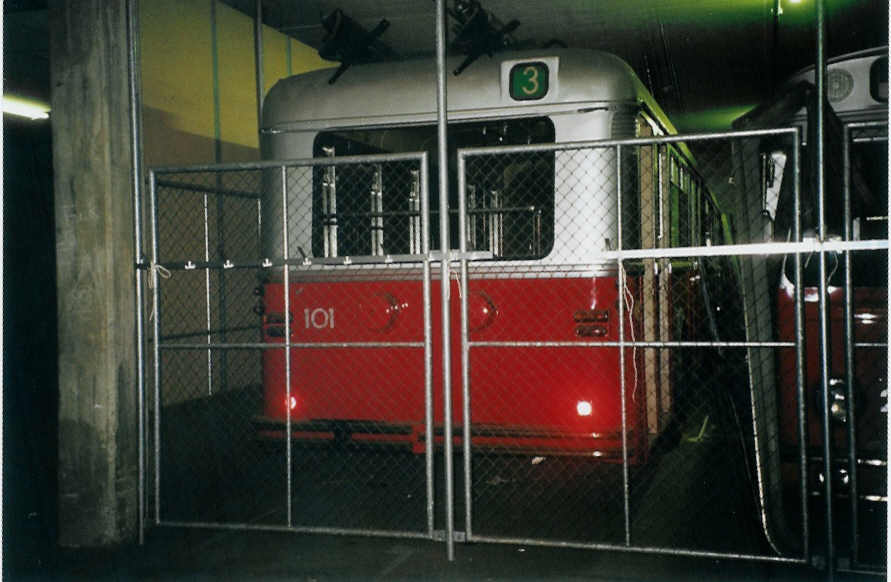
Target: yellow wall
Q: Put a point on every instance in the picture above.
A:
(183, 121)
(237, 81)
(200, 106)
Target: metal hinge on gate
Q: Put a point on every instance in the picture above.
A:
(439, 535)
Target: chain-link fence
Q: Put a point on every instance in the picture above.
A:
(652, 346)
(685, 352)
(634, 368)
(267, 420)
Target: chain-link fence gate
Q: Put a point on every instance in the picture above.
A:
(636, 361)
(862, 468)
(634, 367)
(669, 367)
(275, 408)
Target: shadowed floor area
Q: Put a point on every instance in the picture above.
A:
(193, 554)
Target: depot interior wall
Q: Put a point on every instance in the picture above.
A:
(198, 79)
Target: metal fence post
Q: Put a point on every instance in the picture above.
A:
(156, 340)
(286, 280)
(823, 304)
(465, 348)
(849, 345)
(444, 281)
(800, 356)
(428, 344)
(626, 498)
(137, 185)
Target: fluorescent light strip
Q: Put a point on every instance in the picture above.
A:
(24, 108)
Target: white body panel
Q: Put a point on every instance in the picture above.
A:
(587, 91)
(857, 103)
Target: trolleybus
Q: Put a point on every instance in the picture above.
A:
(854, 337)
(540, 222)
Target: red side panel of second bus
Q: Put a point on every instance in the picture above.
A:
(870, 325)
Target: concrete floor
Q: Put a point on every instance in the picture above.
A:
(190, 554)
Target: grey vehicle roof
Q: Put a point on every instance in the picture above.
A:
(405, 91)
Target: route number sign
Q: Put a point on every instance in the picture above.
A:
(528, 81)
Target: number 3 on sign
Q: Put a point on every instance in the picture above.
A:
(531, 86)
(318, 318)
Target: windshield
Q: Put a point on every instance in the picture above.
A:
(375, 208)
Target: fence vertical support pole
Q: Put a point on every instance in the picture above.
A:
(888, 370)
(133, 81)
(286, 281)
(465, 347)
(849, 348)
(443, 158)
(824, 324)
(428, 342)
(620, 272)
(800, 361)
(156, 341)
(208, 336)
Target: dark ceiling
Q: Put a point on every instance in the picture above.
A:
(705, 60)
(26, 49)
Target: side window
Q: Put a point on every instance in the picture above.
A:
(679, 202)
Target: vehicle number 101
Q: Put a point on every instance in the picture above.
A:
(318, 318)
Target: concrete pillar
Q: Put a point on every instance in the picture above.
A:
(98, 436)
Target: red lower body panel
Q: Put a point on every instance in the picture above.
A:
(357, 366)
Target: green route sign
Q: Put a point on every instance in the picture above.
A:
(528, 81)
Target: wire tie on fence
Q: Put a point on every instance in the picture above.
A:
(266, 263)
(228, 264)
(629, 303)
(162, 272)
(190, 266)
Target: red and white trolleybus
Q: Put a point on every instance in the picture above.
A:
(844, 336)
(537, 221)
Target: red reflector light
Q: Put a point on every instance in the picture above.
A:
(591, 330)
(591, 315)
(274, 318)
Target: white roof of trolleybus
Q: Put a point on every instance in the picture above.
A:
(405, 91)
